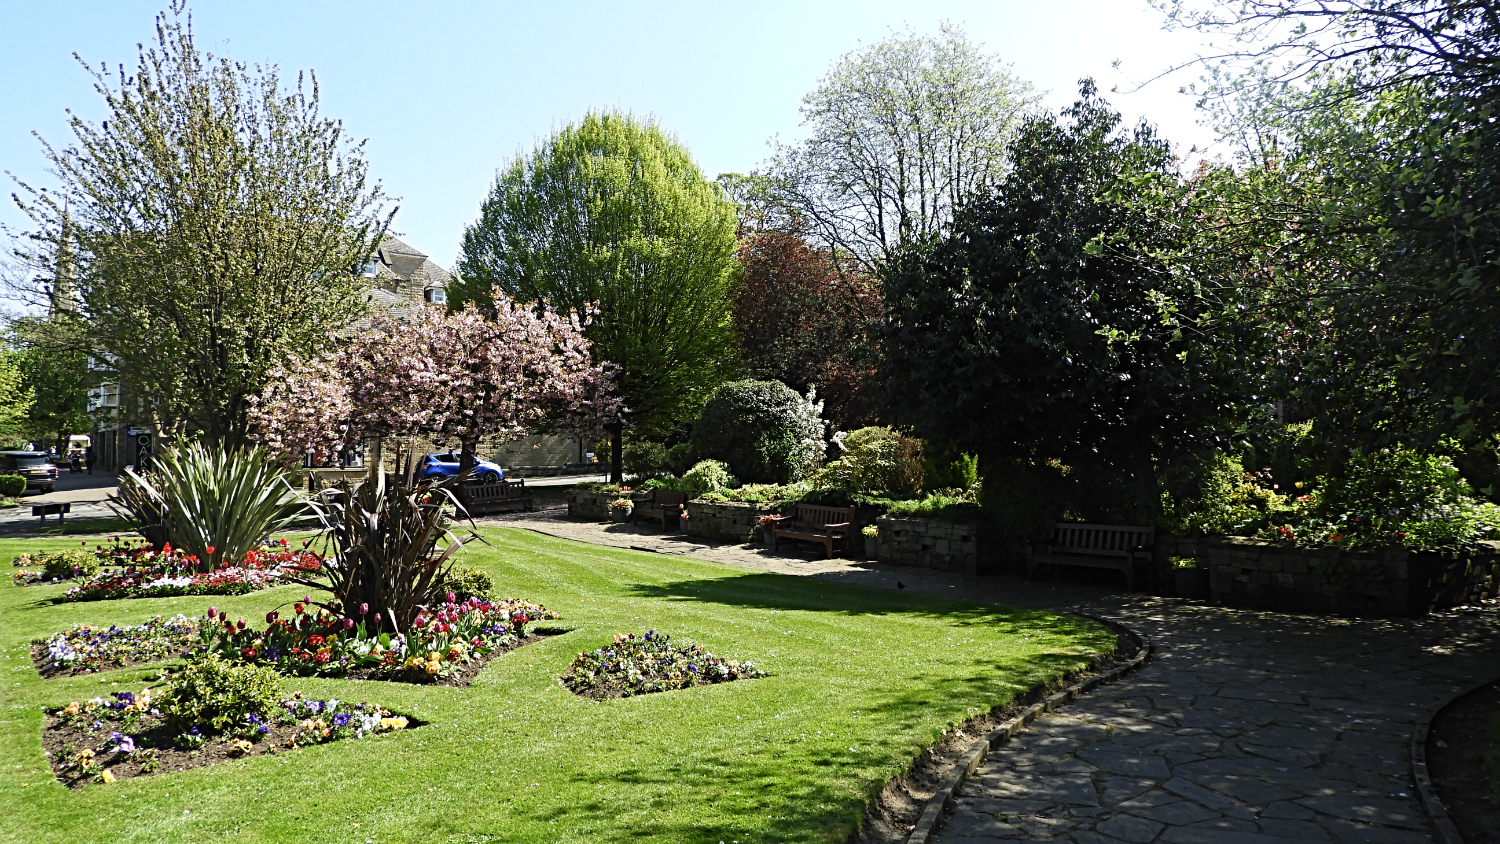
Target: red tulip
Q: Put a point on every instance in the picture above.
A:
(271, 617)
(213, 612)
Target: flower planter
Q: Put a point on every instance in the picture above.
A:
(619, 514)
(1190, 583)
(872, 548)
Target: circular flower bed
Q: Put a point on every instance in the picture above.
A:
(107, 739)
(638, 665)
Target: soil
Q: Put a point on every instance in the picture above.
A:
(459, 679)
(59, 741)
(893, 814)
(615, 689)
(1463, 756)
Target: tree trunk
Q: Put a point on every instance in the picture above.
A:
(374, 458)
(616, 452)
(466, 457)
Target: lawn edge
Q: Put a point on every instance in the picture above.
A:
(953, 764)
(1443, 827)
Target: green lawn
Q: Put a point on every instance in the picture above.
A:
(860, 681)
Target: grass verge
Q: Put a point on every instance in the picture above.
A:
(861, 680)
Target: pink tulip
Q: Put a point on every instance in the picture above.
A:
(364, 609)
(213, 612)
(348, 624)
(452, 597)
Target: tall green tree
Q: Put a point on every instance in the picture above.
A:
(211, 223)
(611, 214)
(901, 133)
(55, 365)
(15, 398)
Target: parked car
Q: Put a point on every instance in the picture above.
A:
(35, 466)
(446, 466)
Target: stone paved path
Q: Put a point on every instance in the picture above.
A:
(1244, 728)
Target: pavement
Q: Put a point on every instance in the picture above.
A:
(1244, 728)
(84, 491)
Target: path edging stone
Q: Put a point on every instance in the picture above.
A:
(1443, 827)
(932, 814)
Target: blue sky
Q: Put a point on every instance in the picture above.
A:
(447, 92)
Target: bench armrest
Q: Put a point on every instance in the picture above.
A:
(838, 525)
(778, 519)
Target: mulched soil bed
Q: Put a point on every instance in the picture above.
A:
(893, 814)
(1463, 756)
(463, 677)
(58, 740)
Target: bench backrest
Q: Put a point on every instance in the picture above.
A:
(668, 497)
(1104, 540)
(819, 514)
(479, 491)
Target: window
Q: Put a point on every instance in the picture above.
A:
(436, 295)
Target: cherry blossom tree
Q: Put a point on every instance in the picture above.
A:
(507, 370)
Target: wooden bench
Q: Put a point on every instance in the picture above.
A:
(663, 504)
(1115, 547)
(814, 523)
(478, 497)
(45, 510)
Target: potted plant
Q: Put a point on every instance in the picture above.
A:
(620, 509)
(872, 541)
(1188, 579)
(682, 518)
(766, 522)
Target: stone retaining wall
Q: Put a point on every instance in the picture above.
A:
(1264, 575)
(929, 543)
(591, 506)
(725, 521)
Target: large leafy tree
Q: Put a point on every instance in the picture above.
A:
(805, 321)
(15, 398)
(1371, 197)
(1054, 325)
(210, 224)
(612, 215)
(900, 134)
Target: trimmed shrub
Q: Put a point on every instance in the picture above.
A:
(468, 583)
(645, 458)
(71, 563)
(875, 460)
(220, 694)
(707, 476)
(962, 472)
(12, 485)
(763, 430)
(679, 459)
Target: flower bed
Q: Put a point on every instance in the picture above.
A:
(108, 739)
(638, 665)
(447, 646)
(170, 574)
(87, 648)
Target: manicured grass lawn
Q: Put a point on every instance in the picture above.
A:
(860, 681)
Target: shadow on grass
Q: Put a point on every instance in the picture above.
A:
(768, 591)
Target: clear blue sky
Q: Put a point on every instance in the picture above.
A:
(447, 92)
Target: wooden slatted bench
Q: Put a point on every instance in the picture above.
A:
(814, 523)
(663, 504)
(479, 498)
(1116, 547)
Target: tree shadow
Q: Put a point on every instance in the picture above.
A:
(770, 591)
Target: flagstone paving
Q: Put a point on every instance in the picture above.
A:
(1244, 728)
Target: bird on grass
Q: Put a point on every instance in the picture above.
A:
(900, 585)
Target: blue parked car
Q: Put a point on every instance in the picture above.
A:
(446, 466)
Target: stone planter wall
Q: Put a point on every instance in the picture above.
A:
(1263, 575)
(590, 506)
(929, 543)
(725, 521)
